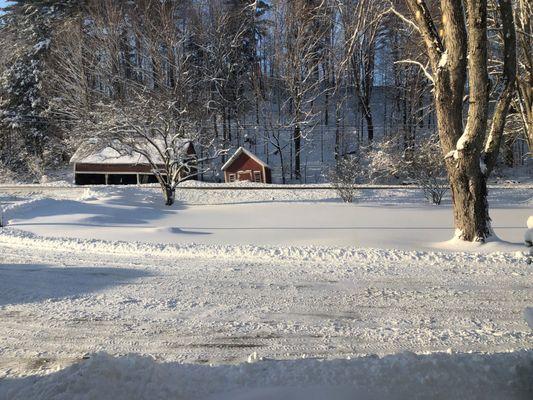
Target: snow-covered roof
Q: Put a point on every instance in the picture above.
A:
(240, 151)
(89, 154)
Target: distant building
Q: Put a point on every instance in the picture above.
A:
(246, 166)
(108, 167)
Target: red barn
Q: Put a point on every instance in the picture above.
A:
(246, 166)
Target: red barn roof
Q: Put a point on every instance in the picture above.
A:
(242, 150)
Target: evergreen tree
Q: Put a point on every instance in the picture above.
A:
(25, 129)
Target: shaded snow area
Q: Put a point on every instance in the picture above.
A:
(400, 377)
(229, 295)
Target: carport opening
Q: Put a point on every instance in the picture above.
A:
(90, 179)
(122, 179)
(145, 179)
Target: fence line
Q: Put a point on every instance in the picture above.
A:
(31, 188)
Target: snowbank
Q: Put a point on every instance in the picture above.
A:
(402, 376)
(528, 237)
(14, 237)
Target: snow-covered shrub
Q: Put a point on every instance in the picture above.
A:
(425, 166)
(384, 161)
(344, 175)
(6, 174)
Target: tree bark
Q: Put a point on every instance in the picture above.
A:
(470, 207)
(369, 125)
(297, 151)
(453, 50)
(507, 149)
(169, 194)
(504, 101)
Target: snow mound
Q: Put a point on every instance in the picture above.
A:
(402, 376)
(15, 237)
(528, 237)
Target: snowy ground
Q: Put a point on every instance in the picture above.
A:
(396, 218)
(117, 273)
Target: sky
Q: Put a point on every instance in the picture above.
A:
(3, 3)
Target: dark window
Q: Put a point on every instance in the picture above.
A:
(257, 176)
(125, 179)
(90, 179)
(144, 179)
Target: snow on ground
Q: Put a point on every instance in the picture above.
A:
(117, 273)
(56, 306)
(393, 218)
(405, 376)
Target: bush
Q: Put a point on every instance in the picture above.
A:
(426, 167)
(422, 164)
(344, 176)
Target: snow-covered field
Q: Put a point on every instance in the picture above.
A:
(284, 292)
(394, 218)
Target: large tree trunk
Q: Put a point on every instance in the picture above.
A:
(169, 194)
(470, 208)
(467, 180)
(451, 50)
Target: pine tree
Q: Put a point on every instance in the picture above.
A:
(25, 129)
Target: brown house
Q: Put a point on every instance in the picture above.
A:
(109, 167)
(246, 166)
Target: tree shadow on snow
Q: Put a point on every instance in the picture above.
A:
(272, 201)
(29, 283)
(404, 376)
(180, 231)
(124, 207)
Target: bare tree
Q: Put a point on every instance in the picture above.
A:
(160, 133)
(361, 20)
(145, 104)
(524, 14)
(298, 60)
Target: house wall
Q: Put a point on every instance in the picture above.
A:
(245, 163)
(268, 175)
